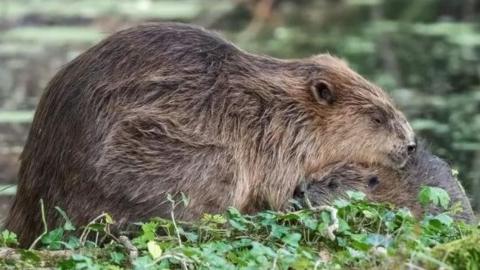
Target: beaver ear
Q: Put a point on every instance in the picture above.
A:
(323, 93)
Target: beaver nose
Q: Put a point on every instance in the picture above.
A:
(411, 148)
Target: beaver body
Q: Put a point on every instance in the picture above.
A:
(171, 108)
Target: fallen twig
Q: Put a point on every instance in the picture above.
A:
(132, 250)
(332, 228)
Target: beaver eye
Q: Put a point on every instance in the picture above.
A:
(333, 184)
(378, 119)
(373, 182)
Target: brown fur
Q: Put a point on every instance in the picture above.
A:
(170, 108)
(382, 184)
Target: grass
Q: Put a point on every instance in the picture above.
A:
(365, 235)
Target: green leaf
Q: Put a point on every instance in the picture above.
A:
(53, 239)
(356, 253)
(258, 249)
(278, 231)
(444, 219)
(72, 243)
(360, 242)
(84, 262)
(376, 239)
(325, 217)
(356, 195)
(142, 263)
(217, 219)
(341, 203)
(292, 239)
(108, 219)
(309, 221)
(149, 230)
(343, 225)
(435, 195)
(68, 226)
(237, 220)
(369, 213)
(8, 238)
(117, 257)
(192, 237)
(154, 249)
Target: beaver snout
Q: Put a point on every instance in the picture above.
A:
(411, 142)
(405, 153)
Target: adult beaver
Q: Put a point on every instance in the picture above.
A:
(383, 184)
(168, 108)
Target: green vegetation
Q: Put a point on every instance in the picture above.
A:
(353, 234)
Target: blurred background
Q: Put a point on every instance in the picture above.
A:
(425, 53)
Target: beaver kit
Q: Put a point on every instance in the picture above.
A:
(174, 109)
(382, 184)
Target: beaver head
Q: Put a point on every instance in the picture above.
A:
(382, 184)
(358, 120)
(304, 114)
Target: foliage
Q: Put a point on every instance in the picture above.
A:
(369, 235)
